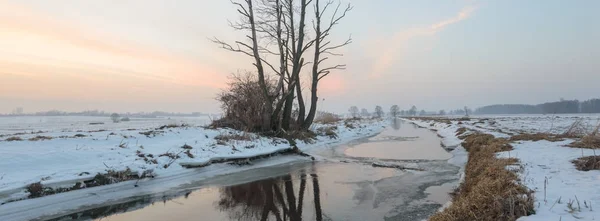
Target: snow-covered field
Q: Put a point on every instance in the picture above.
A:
(33, 124)
(78, 151)
(561, 191)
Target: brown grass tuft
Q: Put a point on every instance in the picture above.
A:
(576, 130)
(587, 163)
(461, 131)
(233, 136)
(327, 118)
(589, 142)
(328, 131)
(14, 139)
(36, 138)
(490, 191)
(537, 137)
(35, 190)
(304, 136)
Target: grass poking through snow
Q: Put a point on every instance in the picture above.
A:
(587, 163)
(490, 191)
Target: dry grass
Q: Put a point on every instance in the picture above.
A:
(588, 141)
(485, 140)
(490, 191)
(172, 126)
(537, 137)
(14, 139)
(233, 136)
(587, 163)
(36, 190)
(304, 136)
(576, 130)
(461, 131)
(36, 138)
(328, 131)
(327, 118)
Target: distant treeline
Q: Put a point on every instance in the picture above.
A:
(558, 107)
(96, 113)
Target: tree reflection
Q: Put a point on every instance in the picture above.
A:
(271, 199)
(396, 124)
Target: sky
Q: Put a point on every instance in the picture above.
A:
(146, 55)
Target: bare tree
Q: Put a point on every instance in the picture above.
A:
(323, 48)
(364, 112)
(277, 27)
(378, 112)
(354, 112)
(412, 111)
(422, 113)
(442, 112)
(394, 111)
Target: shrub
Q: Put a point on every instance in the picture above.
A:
(115, 117)
(125, 119)
(244, 105)
(35, 190)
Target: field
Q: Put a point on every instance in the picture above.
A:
(542, 148)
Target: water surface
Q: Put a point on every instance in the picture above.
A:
(310, 190)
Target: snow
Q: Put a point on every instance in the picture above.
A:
(64, 161)
(546, 166)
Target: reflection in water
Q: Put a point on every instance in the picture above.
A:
(396, 124)
(307, 190)
(401, 143)
(270, 199)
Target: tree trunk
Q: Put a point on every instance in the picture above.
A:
(313, 106)
(315, 72)
(287, 110)
(301, 106)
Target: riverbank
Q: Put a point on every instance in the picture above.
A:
(40, 163)
(535, 153)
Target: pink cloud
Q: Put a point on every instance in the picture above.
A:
(51, 51)
(390, 53)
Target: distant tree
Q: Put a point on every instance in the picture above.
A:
(378, 111)
(354, 111)
(466, 111)
(115, 117)
(125, 119)
(394, 111)
(364, 112)
(17, 111)
(412, 111)
(402, 112)
(442, 112)
(422, 113)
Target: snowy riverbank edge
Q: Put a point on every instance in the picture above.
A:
(561, 191)
(61, 162)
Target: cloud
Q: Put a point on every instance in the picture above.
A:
(390, 53)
